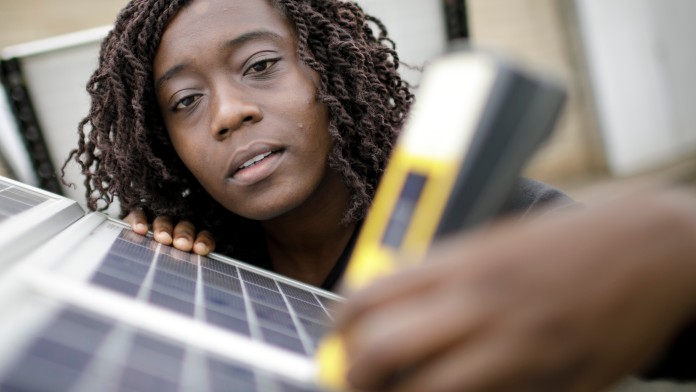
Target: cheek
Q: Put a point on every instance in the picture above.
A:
(314, 123)
(189, 151)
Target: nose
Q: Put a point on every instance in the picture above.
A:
(232, 111)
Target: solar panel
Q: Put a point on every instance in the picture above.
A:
(231, 296)
(81, 351)
(14, 200)
(99, 307)
(29, 217)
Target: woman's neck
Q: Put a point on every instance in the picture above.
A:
(305, 244)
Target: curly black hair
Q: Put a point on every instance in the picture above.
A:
(123, 148)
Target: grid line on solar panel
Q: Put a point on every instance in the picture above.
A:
(254, 329)
(314, 330)
(328, 303)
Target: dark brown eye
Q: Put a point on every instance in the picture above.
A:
(261, 66)
(186, 102)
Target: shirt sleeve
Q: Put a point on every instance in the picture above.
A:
(531, 196)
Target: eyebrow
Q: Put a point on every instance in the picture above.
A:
(231, 44)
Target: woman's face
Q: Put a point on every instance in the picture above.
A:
(241, 108)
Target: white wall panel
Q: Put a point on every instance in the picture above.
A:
(641, 58)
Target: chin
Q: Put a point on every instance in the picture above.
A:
(264, 211)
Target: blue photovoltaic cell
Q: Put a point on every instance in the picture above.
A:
(65, 353)
(165, 277)
(152, 365)
(226, 377)
(14, 200)
(298, 293)
(54, 361)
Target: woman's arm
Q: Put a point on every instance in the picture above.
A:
(567, 302)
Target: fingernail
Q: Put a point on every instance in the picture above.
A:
(164, 237)
(200, 248)
(141, 227)
(181, 243)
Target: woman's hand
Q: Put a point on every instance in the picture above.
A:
(567, 303)
(181, 235)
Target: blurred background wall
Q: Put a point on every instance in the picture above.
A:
(560, 36)
(28, 20)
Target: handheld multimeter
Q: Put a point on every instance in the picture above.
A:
(476, 120)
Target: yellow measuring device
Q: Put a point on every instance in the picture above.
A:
(476, 120)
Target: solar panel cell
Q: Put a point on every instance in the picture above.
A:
(226, 377)
(281, 340)
(174, 284)
(298, 293)
(54, 361)
(172, 303)
(307, 310)
(224, 302)
(115, 283)
(265, 296)
(228, 322)
(221, 281)
(258, 280)
(274, 318)
(152, 365)
(218, 266)
(132, 251)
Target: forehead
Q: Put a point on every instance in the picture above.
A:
(203, 21)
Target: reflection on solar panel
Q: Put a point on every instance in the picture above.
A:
(232, 297)
(14, 200)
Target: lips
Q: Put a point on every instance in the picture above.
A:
(248, 157)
